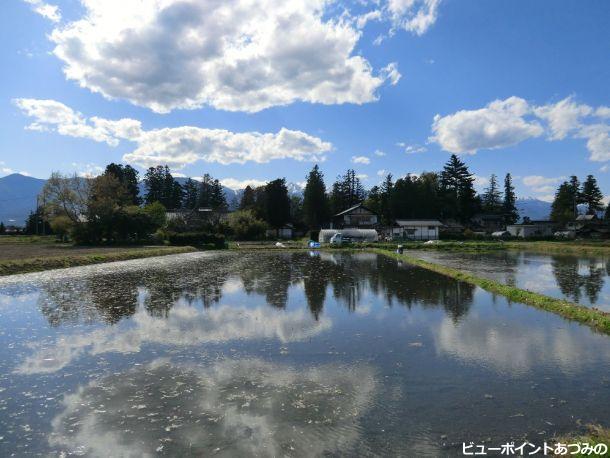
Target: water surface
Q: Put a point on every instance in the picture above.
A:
(576, 278)
(283, 354)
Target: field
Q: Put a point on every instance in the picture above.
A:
(19, 254)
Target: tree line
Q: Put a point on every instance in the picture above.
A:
(109, 207)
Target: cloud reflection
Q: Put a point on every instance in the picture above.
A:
(233, 408)
(184, 326)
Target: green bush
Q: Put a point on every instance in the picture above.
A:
(244, 225)
(196, 239)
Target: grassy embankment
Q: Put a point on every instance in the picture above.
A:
(592, 317)
(81, 257)
(595, 435)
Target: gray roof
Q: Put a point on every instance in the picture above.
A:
(360, 205)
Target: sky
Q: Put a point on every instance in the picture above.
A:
(252, 90)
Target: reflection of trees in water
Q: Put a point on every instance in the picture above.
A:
(572, 284)
(109, 297)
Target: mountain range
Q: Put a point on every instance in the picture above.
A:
(18, 198)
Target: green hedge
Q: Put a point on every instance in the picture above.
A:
(196, 239)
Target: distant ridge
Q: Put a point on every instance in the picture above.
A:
(18, 197)
(533, 208)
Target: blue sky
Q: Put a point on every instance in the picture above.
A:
(253, 90)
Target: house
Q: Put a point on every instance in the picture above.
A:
(583, 221)
(588, 226)
(532, 229)
(284, 232)
(417, 229)
(487, 223)
(357, 216)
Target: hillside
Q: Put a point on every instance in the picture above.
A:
(18, 197)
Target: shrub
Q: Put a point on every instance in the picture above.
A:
(196, 239)
(244, 225)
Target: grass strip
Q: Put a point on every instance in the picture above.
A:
(592, 317)
(595, 435)
(59, 262)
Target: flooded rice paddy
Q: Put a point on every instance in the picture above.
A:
(576, 278)
(283, 354)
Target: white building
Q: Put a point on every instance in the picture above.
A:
(417, 229)
(532, 229)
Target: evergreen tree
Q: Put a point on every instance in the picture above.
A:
(385, 202)
(564, 205)
(218, 200)
(492, 197)
(607, 213)
(2, 228)
(347, 191)
(211, 194)
(162, 187)
(457, 187)
(592, 196)
(277, 203)
(509, 205)
(315, 202)
(190, 194)
(176, 194)
(248, 199)
(373, 199)
(128, 177)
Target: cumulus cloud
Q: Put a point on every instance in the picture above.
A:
(508, 122)
(51, 12)
(237, 184)
(500, 124)
(415, 16)
(236, 55)
(379, 153)
(361, 160)
(562, 117)
(543, 186)
(177, 146)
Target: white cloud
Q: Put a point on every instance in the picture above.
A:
(381, 172)
(499, 124)
(88, 170)
(379, 153)
(507, 122)
(598, 141)
(5, 170)
(237, 55)
(390, 72)
(544, 187)
(236, 184)
(51, 12)
(480, 181)
(361, 160)
(604, 168)
(362, 176)
(177, 146)
(562, 117)
(412, 149)
(415, 16)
